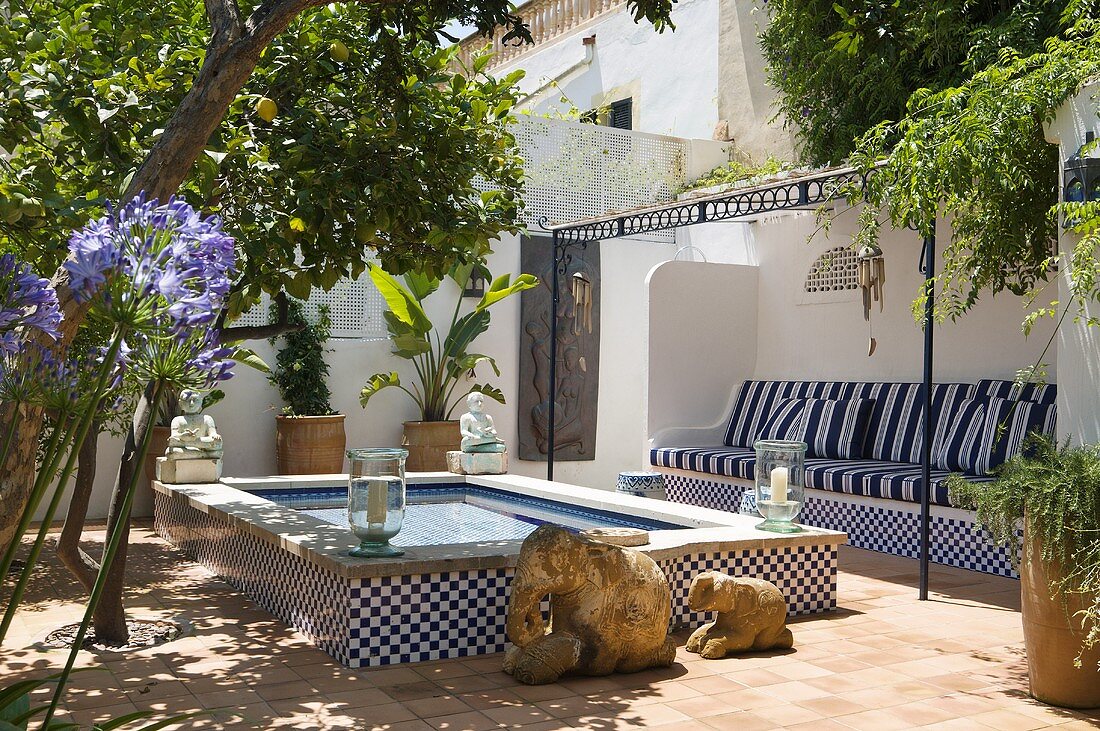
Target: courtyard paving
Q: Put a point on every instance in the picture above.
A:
(882, 661)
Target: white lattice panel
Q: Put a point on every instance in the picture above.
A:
(572, 171)
(355, 307)
(834, 276)
(578, 170)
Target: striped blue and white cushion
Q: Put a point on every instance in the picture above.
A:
(1006, 426)
(722, 460)
(786, 420)
(960, 447)
(894, 426)
(750, 411)
(1043, 393)
(835, 429)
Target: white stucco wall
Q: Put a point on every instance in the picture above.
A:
(673, 76)
(1078, 344)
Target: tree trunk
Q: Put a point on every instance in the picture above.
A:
(82, 566)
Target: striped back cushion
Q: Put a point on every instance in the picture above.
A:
(755, 400)
(836, 429)
(961, 441)
(785, 420)
(1042, 393)
(1007, 424)
(893, 428)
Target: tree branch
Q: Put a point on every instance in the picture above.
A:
(225, 22)
(281, 326)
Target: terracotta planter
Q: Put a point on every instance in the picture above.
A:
(310, 445)
(428, 443)
(1053, 637)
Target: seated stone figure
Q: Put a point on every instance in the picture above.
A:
(193, 434)
(752, 615)
(478, 432)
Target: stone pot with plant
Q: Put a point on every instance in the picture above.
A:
(1054, 493)
(445, 367)
(309, 434)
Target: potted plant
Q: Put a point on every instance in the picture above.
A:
(309, 435)
(1055, 491)
(443, 361)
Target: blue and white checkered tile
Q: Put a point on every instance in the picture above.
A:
(704, 493)
(806, 576)
(413, 618)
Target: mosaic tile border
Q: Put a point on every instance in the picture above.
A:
(956, 540)
(418, 617)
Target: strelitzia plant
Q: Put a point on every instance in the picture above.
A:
(443, 361)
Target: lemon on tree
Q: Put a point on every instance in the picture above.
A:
(267, 109)
(339, 52)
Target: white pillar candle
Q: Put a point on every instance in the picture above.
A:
(779, 485)
(377, 499)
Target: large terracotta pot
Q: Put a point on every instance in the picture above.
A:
(428, 443)
(1053, 636)
(310, 445)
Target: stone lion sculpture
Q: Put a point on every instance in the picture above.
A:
(752, 615)
(609, 609)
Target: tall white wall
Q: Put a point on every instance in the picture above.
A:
(673, 76)
(1078, 343)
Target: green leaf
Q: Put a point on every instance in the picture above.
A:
(401, 302)
(411, 345)
(376, 383)
(490, 391)
(502, 287)
(298, 286)
(250, 358)
(464, 331)
(421, 285)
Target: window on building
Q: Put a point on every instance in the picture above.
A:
(619, 114)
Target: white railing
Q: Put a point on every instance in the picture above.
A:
(547, 19)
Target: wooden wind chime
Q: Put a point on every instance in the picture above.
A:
(582, 303)
(872, 276)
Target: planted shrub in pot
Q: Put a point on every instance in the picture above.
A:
(309, 435)
(1055, 491)
(445, 367)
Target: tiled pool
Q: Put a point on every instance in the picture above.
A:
(284, 542)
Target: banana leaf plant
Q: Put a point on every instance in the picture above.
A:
(443, 360)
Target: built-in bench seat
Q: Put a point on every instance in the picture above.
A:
(863, 467)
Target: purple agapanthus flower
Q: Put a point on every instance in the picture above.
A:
(27, 302)
(146, 260)
(27, 373)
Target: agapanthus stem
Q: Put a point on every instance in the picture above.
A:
(113, 543)
(103, 378)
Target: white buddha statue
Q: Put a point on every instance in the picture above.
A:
(193, 434)
(478, 432)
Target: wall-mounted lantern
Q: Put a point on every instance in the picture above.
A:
(475, 285)
(1082, 176)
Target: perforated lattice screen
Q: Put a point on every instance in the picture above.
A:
(576, 170)
(573, 171)
(355, 307)
(837, 270)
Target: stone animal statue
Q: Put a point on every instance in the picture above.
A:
(609, 609)
(752, 615)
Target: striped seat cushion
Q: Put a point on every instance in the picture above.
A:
(888, 480)
(721, 460)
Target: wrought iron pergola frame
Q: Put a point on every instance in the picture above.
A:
(805, 192)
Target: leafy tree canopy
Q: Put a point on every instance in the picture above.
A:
(950, 98)
(374, 144)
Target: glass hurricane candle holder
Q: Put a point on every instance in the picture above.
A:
(780, 484)
(376, 500)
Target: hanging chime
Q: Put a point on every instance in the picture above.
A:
(872, 276)
(582, 303)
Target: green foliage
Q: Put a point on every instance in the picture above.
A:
(379, 152)
(1058, 487)
(300, 368)
(976, 155)
(736, 171)
(843, 66)
(442, 361)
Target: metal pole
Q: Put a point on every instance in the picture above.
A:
(552, 391)
(928, 264)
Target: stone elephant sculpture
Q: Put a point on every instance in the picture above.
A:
(609, 609)
(752, 615)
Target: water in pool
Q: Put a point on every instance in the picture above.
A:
(441, 516)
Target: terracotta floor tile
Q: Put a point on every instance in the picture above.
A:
(444, 705)
(517, 715)
(468, 721)
(742, 721)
